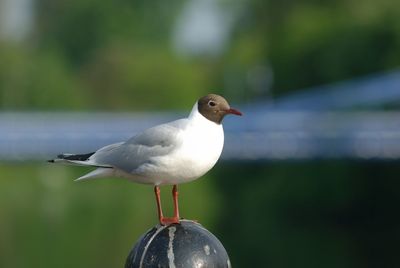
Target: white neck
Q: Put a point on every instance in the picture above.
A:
(196, 116)
(194, 112)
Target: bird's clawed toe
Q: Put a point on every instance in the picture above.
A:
(168, 221)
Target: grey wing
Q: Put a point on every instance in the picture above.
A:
(142, 148)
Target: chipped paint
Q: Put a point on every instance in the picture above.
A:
(146, 247)
(170, 253)
(207, 249)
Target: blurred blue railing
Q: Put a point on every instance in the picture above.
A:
(274, 135)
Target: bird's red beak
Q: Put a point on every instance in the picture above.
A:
(233, 111)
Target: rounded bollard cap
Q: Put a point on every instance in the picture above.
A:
(187, 244)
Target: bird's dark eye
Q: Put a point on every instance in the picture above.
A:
(211, 103)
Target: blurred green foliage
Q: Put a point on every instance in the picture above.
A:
(47, 220)
(314, 42)
(337, 213)
(117, 56)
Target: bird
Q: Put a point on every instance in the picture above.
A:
(168, 154)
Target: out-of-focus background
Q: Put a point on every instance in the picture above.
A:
(309, 177)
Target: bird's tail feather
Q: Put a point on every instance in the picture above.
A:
(77, 159)
(97, 173)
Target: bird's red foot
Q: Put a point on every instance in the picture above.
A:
(168, 221)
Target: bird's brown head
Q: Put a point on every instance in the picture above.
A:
(214, 108)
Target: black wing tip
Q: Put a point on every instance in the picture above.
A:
(60, 156)
(78, 157)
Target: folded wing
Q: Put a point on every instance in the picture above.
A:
(140, 149)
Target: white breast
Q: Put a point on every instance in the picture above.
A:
(201, 148)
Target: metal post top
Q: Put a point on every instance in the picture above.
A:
(187, 244)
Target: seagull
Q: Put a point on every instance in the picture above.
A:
(168, 154)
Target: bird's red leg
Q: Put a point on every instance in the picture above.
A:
(176, 205)
(158, 199)
(163, 220)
